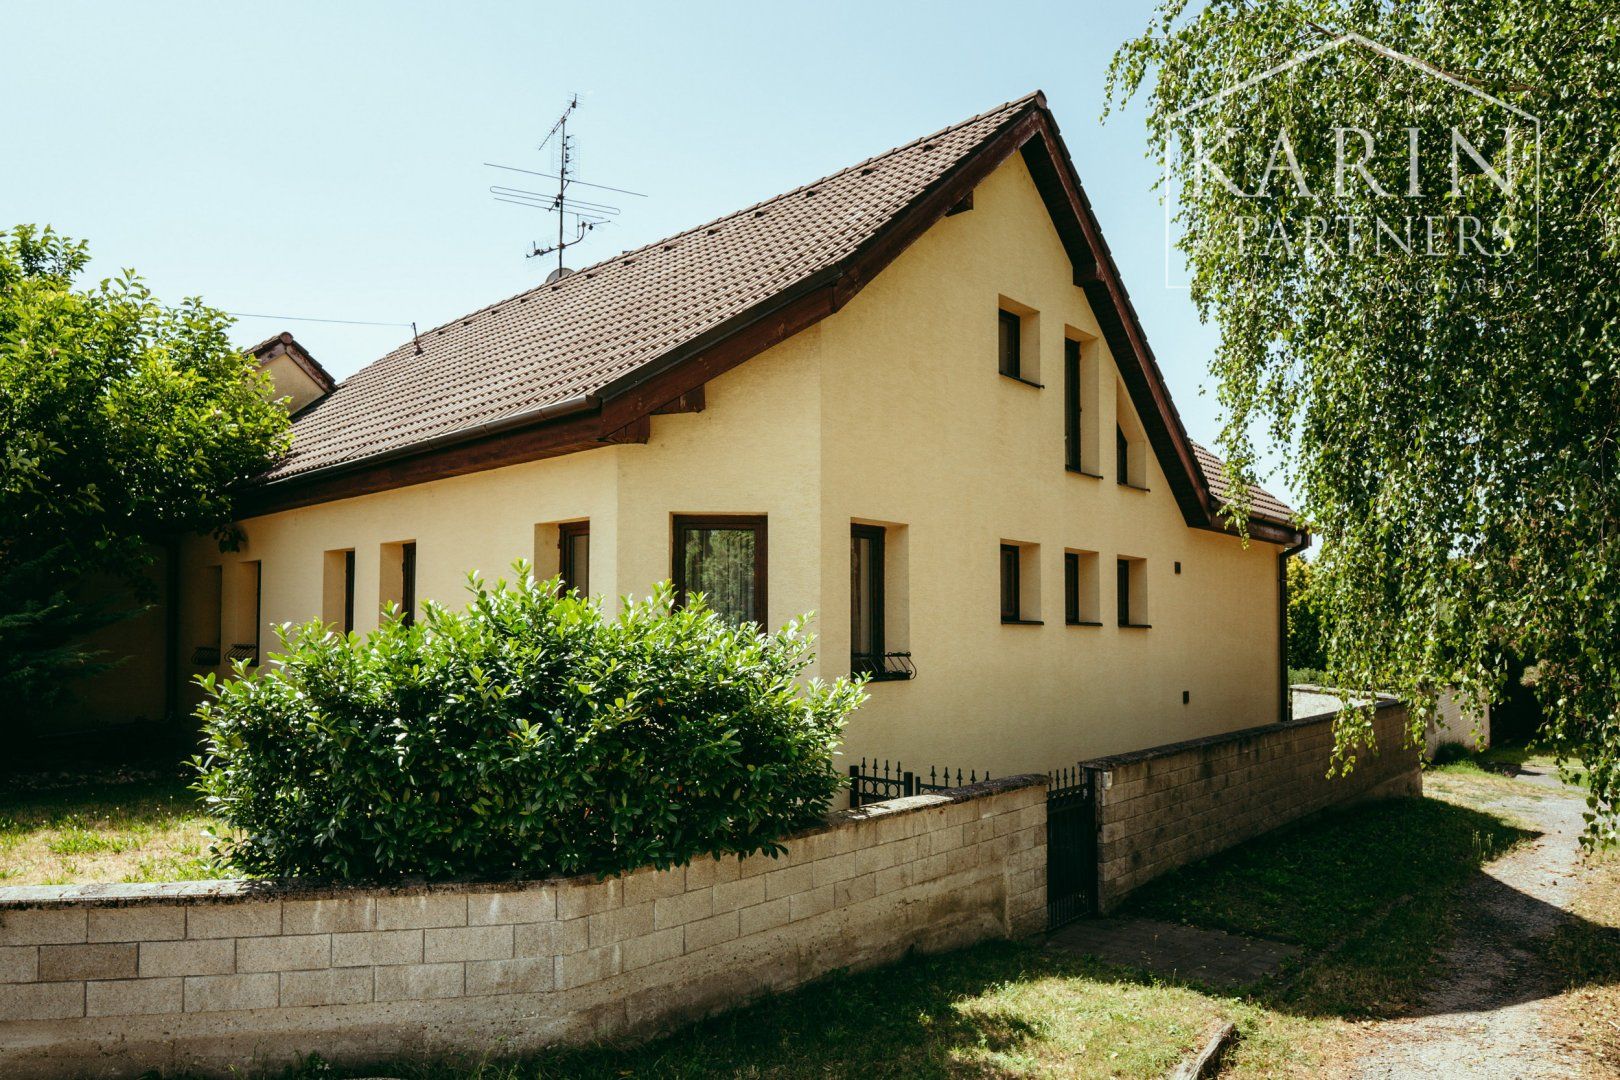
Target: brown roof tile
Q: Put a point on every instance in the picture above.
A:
(1262, 503)
(576, 336)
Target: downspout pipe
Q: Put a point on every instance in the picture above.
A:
(1285, 706)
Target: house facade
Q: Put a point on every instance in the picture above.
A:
(911, 398)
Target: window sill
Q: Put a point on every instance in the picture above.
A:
(1022, 622)
(1082, 472)
(886, 676)
(1080, 622)
(1133, 487)
(1021, 379)
(1136, 626)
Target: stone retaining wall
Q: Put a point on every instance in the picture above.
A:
(112, 980)
(1165, 807)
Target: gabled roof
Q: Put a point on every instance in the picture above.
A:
(284, 344)
(585, 360)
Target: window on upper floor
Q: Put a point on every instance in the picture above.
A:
(1073, 457)
(724, 558)
(1011, 361)
(1130, 442)
(1018, 342)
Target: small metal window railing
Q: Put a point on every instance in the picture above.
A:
(883, 667)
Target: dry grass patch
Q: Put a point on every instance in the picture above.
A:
(145, 831)
(1588, 951)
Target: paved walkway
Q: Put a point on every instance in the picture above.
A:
(1487, 1016)
(1212, 957)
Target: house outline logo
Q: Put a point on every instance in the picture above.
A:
(1334, 44)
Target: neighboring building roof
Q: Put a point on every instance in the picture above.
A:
(1262, 503)
(285, 344)
(583, 361)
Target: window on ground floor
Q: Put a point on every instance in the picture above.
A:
(397, 579)
(243, 596)
(574, 556)
(337, 590)
(722, 557)
(1020, 582)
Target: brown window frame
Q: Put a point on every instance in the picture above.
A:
(566, 570)
(1011, 570)
(759, 523)
(1010, 346)
(348, 591)
(1072, 457)
(1122, 457)
(407, 582)
(1071, 588)
(874, 616)
(1122, 586)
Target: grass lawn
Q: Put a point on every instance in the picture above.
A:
(149, 830)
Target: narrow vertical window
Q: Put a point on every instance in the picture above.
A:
(1071, 587)
(724, 558)
(407, 583)
(1010, 585)
(866, 599)
(1011, 356)
(348, 591)
(574, 556)
(1122, 456)
(1124, 574)
(1071, 405)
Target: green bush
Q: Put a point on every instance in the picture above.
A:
(525, 736)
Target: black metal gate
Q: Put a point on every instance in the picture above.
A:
(1071, 845)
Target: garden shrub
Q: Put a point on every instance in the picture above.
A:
(522, 737)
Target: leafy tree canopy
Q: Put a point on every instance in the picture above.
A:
(1438, 347)
(122, 421)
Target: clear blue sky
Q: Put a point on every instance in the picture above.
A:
(325, 159)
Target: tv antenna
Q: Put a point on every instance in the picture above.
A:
(584, 215)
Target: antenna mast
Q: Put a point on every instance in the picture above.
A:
(586, 215)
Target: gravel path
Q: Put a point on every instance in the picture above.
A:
(1486, 1016)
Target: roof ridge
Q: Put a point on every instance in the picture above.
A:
(1006, 106)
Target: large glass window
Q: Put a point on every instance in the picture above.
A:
(723, 558)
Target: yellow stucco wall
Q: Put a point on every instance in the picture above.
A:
(891, 411)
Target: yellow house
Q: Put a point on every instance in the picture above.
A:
(911, 397)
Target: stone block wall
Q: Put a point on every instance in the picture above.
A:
(1163, 808)
(112, 980)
